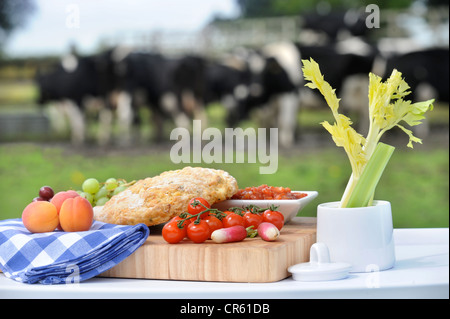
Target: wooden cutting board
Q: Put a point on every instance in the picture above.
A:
(252, 260)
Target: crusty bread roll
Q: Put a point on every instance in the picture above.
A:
(155, 200)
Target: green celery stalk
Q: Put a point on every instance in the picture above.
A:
(387, 108)
(364, 189)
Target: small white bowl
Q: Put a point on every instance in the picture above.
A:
(288, 207)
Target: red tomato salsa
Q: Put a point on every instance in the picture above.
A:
(267, 192)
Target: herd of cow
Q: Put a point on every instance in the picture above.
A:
(267, 79)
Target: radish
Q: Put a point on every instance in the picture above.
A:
(229, 234)
(268, 231)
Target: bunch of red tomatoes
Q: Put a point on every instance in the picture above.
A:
(200, 221)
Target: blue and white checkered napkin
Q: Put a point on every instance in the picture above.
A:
(65, 257)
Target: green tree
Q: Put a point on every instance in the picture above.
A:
(267, 8)
(13, 14)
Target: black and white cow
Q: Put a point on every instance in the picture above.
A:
(272, 79)
(226, 80)
(276, 70)
(180, 88)
(345, 65)
(425, 70)
(173, 88)
(71, 82)
(336, 64)
(329, 26)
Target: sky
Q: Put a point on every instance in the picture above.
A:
(57, 23)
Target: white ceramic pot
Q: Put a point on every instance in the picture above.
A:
(362, 236)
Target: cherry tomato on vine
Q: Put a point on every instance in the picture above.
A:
(185, 223)
(197, 205)
(213, 223)
(274, 217)
(172, 233)
(233, 219)
(198, 233)
(252, 219)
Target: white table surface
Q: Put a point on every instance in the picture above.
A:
(421, 271)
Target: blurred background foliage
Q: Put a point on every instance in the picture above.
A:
(273, 8)
(13, 14)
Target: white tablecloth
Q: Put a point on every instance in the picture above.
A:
(421, 271)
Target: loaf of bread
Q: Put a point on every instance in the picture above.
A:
(155, 200)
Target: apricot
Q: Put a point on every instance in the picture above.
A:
(59, 198)
(76, 214)
(40, 217)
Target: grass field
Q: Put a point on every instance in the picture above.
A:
(415, 181)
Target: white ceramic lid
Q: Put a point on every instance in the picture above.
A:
(319, 268)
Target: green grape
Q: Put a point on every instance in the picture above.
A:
(102, 192)
(119, 189)
(101, 201)
(91, 186)
(111, 184)
(88, 196)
